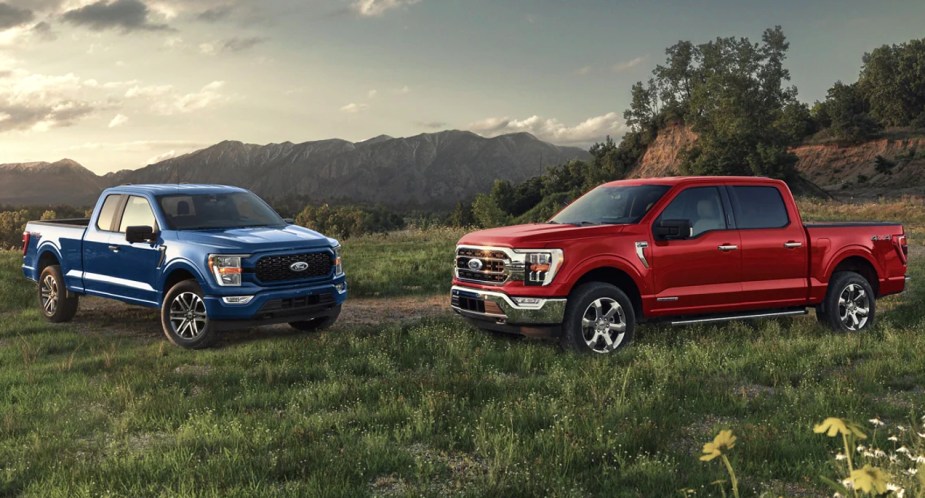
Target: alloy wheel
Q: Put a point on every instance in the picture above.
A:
(853, 307)
(49, 294)
(188, 315)
(603, 325)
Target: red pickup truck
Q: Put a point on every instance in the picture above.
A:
(683, 250)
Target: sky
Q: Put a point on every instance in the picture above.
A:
(117, 84)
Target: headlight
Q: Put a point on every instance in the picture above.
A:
(226, 269)
(338, 263)
(540, 267)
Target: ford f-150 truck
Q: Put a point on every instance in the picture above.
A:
(209, 256)
(684, 250)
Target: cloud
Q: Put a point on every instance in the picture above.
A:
(44, 32)
(11, 16)
(238, 44)
(147, 91)
(195, 101)
(214, 14)
(627, 65)
(38, 102)
(354, 108)
(375, 8)
(125, 15)
(118, 120)
(584, 70)
(552, 130)
(372, 93)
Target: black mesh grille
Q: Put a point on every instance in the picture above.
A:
(278, 268)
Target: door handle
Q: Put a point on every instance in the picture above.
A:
(114, 248)
(792, 245)
(727, 247)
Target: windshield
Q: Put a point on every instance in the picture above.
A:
(211, 211)
(611, 205)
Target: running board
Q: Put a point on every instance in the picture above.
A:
(744, 316)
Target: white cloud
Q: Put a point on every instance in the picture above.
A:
(160, 157)
(118, 120)
(627, 65)
(39, 102)
(403, 90)
(148, 91)
(552, 130)
(207, 49)
(205, 97)
(354, 108)
(372, 93)
(373, 8)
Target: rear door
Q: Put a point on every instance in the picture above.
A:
(775, 251)
(700, 274)
(98, 249)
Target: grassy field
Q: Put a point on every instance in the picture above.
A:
(103, 406)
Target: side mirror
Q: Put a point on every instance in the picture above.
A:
(139, 234)
(673, 229)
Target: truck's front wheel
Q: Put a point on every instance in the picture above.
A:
(184, 317)
(58, 305)
(599, 318)
(850, 304)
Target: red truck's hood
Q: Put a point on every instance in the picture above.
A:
(534, 234)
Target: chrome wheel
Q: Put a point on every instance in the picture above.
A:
(853, 307)
(603, 325)
(188, 315)
(49, 294)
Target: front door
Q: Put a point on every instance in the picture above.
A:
(137, 265)
(700, 274)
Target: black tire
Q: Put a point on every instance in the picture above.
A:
(184, 318)
(599, 318)
(850, 303)
(55, 302)
(320, 323)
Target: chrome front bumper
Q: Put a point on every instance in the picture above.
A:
(500, 308)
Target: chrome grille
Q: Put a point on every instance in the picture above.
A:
(493, 268)
(277, 268)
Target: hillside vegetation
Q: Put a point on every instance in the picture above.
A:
(104, 406)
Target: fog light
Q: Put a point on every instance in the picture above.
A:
(527, 300)
(341, 287)
(237, 299)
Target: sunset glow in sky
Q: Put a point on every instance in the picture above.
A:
(117, 84)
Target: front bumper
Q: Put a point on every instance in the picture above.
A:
(291, 304)
(497, 311)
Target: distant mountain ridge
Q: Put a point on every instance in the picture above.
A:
(430, 170)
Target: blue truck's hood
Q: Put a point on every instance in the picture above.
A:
(250, 240)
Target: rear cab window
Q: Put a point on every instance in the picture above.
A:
(108, 212)
(759, 207)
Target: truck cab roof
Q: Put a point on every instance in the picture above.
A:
(157, 189)
(687, 180)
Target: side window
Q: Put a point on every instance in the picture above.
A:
(137, 213)
(759, 207)
(108, 211)
(703, 206)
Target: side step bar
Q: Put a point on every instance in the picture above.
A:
(743, 316)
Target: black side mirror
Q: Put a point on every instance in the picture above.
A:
(139, 234)
(673, 229)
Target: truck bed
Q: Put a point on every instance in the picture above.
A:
(67, 222)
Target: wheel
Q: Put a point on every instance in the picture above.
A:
(57, 304)
(599, 318)
(850, 304)
(184, 318)
(320, 323)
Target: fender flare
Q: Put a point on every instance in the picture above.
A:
(611, 261)
(850, 252)
(179, 264)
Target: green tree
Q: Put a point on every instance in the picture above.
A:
(892, 82)
(462, 215)
(846, 113)
(487, 214)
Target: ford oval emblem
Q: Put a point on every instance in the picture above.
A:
(475, 264)
(299, 266)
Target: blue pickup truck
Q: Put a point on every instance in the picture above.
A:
(211, 257)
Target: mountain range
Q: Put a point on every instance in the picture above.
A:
(431, 170)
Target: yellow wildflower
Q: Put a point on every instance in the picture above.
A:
(870, 480)
(834, 426)
(722, 443)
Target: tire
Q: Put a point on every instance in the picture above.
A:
(184, 318)
(320, 323)
(55, 302)
(599, 318)
(850, 304)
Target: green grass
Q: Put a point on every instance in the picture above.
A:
(103, 406)
(401, 263)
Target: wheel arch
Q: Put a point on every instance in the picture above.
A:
(176, 272)
(860, 265)
(617, 277)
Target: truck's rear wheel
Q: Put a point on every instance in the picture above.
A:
(850, 304)
(184, 318)
(320, 323)
(57, 304)
(599, 318)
